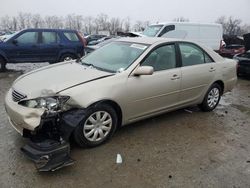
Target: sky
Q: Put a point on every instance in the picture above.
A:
(145, 10)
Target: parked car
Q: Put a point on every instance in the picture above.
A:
(91, 48)
(243, 63)
(231, 50)
(126, 81)
(95, 42)
(41, 45)
(207, 34)
(90, 38)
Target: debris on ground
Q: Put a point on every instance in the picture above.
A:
(118, 159)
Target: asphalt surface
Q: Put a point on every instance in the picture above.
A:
(185, 148)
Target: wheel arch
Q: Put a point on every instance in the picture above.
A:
(113, 104)
(221, 84)
(64, 53)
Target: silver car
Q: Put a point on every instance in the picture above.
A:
(125, 81)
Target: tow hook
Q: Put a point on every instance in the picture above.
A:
(48, 154)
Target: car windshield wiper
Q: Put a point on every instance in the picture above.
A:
(98, 68)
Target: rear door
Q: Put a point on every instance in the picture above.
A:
(198, 72)
(151, 94)
(74, 43)
(50, 46)
(24, 47)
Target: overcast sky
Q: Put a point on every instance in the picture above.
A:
(152, 10)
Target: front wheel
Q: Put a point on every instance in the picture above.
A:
(98, 125)
(212, 98)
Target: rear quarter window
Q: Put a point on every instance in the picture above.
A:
(71, 36)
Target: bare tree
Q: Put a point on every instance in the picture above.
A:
(54, 22)
(127, 24)
(6, 23)
(36, 21)
(181, 19)
(88, 24)
(140, 25)
(231, 26)
(115, 25)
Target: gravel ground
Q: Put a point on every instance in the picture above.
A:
(185, 148)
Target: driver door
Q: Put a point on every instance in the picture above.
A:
(25, 48)
(152, 94)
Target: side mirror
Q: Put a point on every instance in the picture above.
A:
(15, 41)
(144, 70)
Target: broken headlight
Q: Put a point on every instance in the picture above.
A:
(53, 103)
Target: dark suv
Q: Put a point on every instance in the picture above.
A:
(41, 45)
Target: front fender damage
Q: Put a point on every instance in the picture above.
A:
(49, 145)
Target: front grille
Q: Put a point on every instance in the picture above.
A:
(17, 96)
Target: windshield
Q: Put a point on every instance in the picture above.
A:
(152, 30)
(114, 57)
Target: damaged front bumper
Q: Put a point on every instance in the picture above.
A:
(49, 145)
(48, 133)
(48, 155)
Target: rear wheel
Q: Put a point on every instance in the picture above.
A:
(98, 125)
(212, 98)
(2, 64)
(67, 57)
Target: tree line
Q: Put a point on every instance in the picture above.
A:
(101, 22)
(88, 24)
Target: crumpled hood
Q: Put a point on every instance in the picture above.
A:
(55, 78)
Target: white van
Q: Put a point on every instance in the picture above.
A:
(208, 34)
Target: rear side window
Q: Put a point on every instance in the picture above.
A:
(28, 38)
(71, 36)
(49, 37)
(193, 55)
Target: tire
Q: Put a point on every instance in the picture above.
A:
(2, 64)
(67, 57)
(212, 98)
(84, 134)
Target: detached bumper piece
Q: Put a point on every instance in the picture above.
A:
(48, 155)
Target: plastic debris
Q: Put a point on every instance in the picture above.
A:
(189, 111)
(118, 159)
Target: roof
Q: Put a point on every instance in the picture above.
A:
(46, 29)
(186, 23)
(148, 40)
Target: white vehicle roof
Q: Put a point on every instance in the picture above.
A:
(186, 23)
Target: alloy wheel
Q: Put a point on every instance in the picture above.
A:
(97, 126)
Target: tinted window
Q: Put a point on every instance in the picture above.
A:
(49, 37)
(71, 36)
(152, 30)
(167, 29)
(193, 55)
(162, 58)
(28, 38)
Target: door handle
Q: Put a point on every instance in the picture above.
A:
(175, 77)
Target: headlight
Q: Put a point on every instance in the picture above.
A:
(54, 103)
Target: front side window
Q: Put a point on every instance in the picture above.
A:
(28, 38)
(152, 30)
(115, 57)
(71, 36)
(193, 55)
(167, 29)
(49, 37)
(162, 58)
